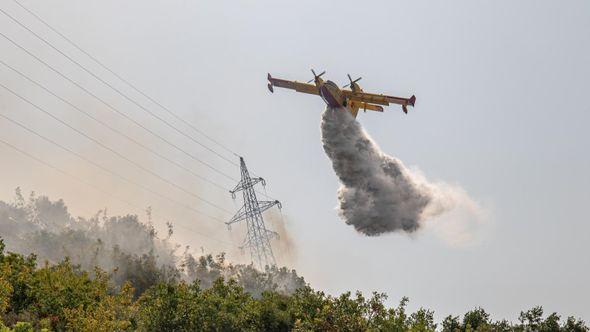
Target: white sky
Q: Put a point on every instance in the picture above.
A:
(502, 111)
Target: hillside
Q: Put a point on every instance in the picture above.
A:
(63, 273)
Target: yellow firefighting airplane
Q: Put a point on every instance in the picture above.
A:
(353, 99)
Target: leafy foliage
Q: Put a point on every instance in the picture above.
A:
(64, 297)
(92, 278)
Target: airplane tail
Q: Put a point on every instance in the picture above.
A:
(270, 88)
(411, 102)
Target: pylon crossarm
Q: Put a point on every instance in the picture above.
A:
(245, 185)
(239, 216)
(265, 205)
(255, 181)
(237, 188)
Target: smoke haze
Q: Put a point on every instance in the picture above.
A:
(284, 247)
(378, 193)
(124, 247)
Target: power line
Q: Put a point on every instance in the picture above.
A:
(47, 164)
(120, 93)
(112, 87)
(124, 80)
(117, 90)
(104, 168)
(106, 147)
(117, 110)
(120, 155)
(112, 128)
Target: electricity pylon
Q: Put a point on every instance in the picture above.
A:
(258, 237)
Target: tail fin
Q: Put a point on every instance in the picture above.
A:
(411, 102)
(270, 83)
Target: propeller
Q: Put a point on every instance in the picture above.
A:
(351, 81)
(316, 76)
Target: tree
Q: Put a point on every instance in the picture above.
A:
(112, 313)
(422, 321)
(63, 296)
(451, 324)
(476, 320)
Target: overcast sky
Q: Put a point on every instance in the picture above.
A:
(502, 111)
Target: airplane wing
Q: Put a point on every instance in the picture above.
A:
(372, 98)
(293, 85)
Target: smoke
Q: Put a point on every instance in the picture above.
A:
(378, 193)
(125, 247)
(284, 247)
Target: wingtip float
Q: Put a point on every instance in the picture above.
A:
(354, 99)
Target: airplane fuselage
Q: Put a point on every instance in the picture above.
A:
(331, 94)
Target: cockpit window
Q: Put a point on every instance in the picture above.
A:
(332, 84)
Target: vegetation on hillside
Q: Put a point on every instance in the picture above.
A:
(90, 277)
(64, 297)
(122, 246)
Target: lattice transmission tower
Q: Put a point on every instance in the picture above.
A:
(258, 237)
